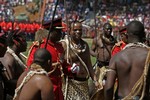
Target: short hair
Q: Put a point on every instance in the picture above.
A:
(41, 56)
(136, 28)
(40, 34)
(107, 25)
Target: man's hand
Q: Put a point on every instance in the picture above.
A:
(98, 85)
(75, 68)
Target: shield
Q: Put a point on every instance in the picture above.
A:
(98, 94)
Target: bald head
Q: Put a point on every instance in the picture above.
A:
(41, 56)
(136, 28)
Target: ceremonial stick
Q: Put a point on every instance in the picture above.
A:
(66, 85)
(51, 24)
(94, 8)
(22, 55)
(42, 11)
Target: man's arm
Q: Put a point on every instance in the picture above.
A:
(93, 48)
(111, 77)
(9, 65)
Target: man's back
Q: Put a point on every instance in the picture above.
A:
(130, 67)
(39, 87)
(130, 63)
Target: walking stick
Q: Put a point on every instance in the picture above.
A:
(51, 24)
(94, 8)
(42, 11)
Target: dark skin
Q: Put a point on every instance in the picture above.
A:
(55, 36)
(2, 52)
(76, 33)
(100, 43)
(128, 65)
(39, 87)
(124, 37)
(130, 69)
(13, 69)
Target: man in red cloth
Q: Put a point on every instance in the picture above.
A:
(9, 26)
(122, 43)
(4, 26)
(59, 65)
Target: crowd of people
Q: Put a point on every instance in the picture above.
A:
(105, 12)
(117, 14)
(58, 66)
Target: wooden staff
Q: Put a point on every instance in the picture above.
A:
(42, 11)
(94, 8)
(51, 24)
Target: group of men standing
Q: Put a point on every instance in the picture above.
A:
(59, 69)
(126, 62)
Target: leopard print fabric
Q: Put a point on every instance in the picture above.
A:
(77, 90)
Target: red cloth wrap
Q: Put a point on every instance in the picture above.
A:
(118, 48)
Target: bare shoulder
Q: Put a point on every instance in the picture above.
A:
(21, 77)
(42, 80)
(39, 80)
(134, 53)
(8, 60)
(130, 56)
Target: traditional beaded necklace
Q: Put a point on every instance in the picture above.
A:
(79, 48)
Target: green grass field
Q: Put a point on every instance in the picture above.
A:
(89, 41)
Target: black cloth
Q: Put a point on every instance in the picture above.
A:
(101, 63)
